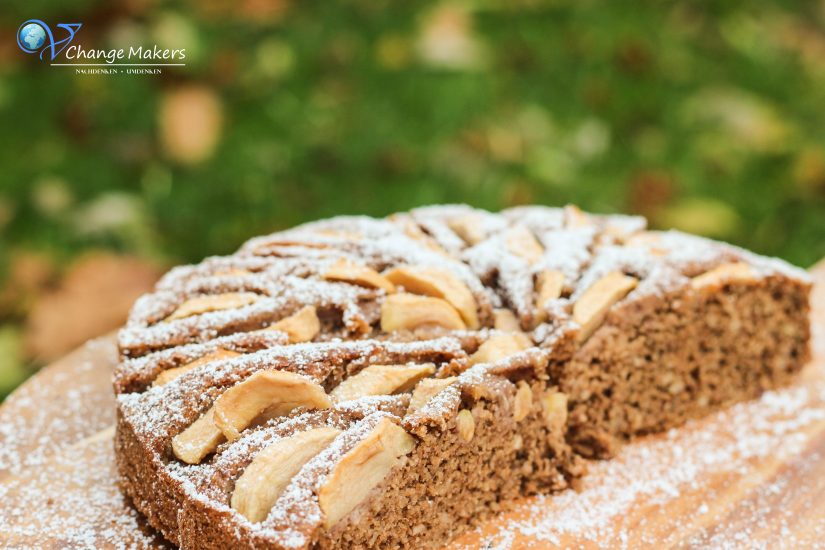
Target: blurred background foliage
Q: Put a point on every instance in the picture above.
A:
(704, 116)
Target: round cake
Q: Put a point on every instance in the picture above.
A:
(365, 383)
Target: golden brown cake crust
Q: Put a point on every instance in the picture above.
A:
(449, 358)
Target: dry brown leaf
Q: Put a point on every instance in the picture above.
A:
(93, 298)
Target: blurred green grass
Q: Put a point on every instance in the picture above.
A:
(703, 116)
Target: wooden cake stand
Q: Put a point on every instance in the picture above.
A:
(750, 476)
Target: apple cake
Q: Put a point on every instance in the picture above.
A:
(363, 383)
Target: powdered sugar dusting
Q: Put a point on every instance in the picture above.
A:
(57, 468)
(31, 433)
(700, 465)
(72, 501)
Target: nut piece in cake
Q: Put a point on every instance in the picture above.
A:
(273, 468)
(591, 308)
(468, 227)
(554, 410)
(213, 302)
(362, 468)
(523, 401)
(170, 374)
(408, 311)
(274, 391)
(381, 380)
(301, 326)
(500, 346)
(438, 283)
(505, 320)
(426, 390)
(466, 424)
(726, 273)
(522, 243)
(549, 285)
(198, 440)
(357, 274)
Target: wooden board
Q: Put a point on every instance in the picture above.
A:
(751, 476)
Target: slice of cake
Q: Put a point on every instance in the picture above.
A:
(360, 383)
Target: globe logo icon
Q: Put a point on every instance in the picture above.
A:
(31, 37)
